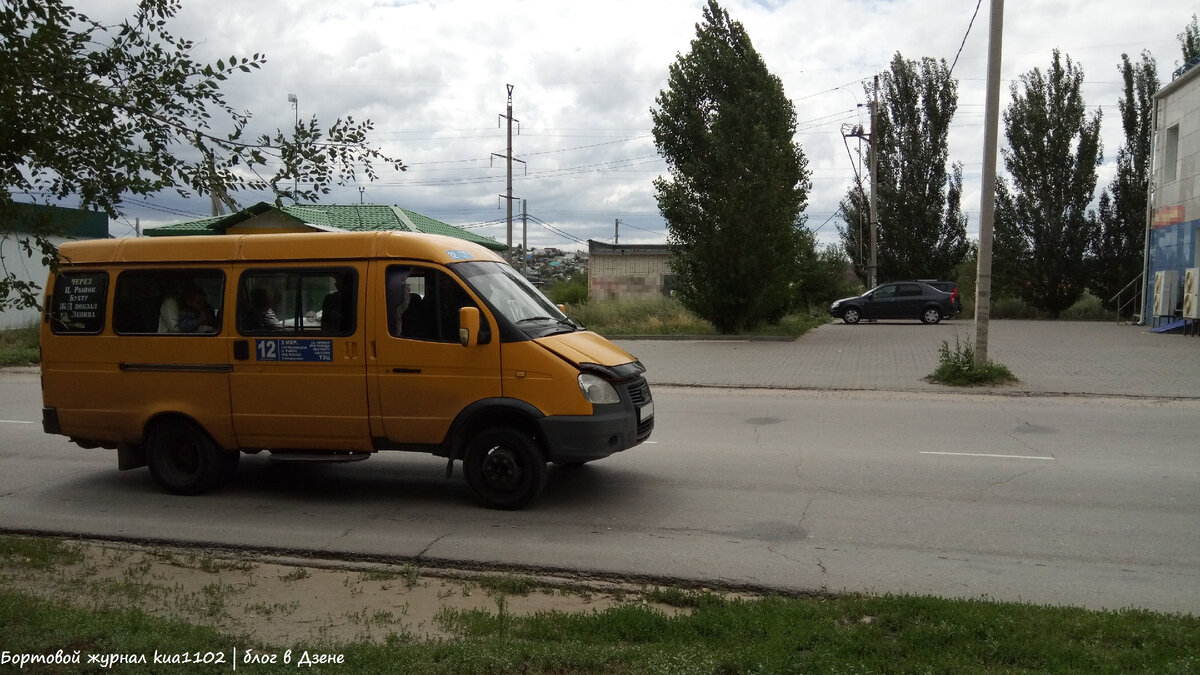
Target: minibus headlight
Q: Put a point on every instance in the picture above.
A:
(597, 390)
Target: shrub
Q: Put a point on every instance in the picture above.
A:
(19, 346)
(1087, 308)
(573, 291)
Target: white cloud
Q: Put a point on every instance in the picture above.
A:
(432, 76)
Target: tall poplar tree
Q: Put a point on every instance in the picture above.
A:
(738, 182)
(1052, 154)
(1189, 40)
(1119, 247)
(922, 231)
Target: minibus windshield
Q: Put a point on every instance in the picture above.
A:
(512, 295)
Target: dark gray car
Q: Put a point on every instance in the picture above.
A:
(896, 300)
(949, 287)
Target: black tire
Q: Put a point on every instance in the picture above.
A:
(851, 315)
(504, 468)
(931, 315)
(184, 460)
(229, 466)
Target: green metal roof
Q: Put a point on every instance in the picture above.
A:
(67, 222)
(345, 217)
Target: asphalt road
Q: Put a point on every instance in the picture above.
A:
(1057, 500)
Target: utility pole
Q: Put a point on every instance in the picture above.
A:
(987, 199)
(856, 131)
(873, 268)
(616, 230)
(295, 179)
(215, 192)
(525, 235)
(508, 157)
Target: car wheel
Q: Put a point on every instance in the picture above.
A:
(504, 468)
(184, 460)
(851, 315)
(931, 315)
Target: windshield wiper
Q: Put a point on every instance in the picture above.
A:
(535, 318)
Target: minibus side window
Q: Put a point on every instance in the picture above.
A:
(78, 303)
(308, 301)
(169, 302)
(423, 304)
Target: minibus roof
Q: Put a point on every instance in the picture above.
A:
(310, 246)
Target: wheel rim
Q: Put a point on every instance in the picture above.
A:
(931, 316)
(852, 316)
(502, 469)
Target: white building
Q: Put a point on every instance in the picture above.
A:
(67, 224)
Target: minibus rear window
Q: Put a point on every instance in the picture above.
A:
(78, 303)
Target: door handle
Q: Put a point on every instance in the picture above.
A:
(406, 370)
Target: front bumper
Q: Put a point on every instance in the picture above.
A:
(571, 439)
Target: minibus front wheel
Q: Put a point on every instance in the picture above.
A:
(504, 468)
(184, 460)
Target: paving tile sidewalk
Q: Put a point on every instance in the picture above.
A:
(1049, 357)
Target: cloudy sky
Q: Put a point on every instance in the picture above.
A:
(432, 76)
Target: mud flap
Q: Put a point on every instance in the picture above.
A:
(130, 456)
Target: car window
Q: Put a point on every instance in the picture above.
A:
(319, 301)
(885, 292)
(78, 303)
(908, 290)
(178, 302)
(423, 304)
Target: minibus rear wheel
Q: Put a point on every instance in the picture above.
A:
(183, 459)
(504, 468)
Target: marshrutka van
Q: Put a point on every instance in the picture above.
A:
(182, 353)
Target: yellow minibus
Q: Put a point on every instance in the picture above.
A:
(183, 352)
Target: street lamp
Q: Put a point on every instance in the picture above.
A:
(296, 107)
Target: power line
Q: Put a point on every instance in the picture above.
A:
(964, 40)
(555, 230)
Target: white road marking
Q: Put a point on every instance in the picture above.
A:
(979, 454)
(15, 422)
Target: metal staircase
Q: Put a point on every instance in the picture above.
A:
(1135, 317)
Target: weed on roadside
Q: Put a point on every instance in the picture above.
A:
(295, 575)
(37, 553)
(957, 367)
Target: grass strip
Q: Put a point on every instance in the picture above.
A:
(772, 634)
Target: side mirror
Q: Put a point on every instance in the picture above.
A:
(468, 326)
(562, 308)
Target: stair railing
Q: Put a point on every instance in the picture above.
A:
(1136, 296)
